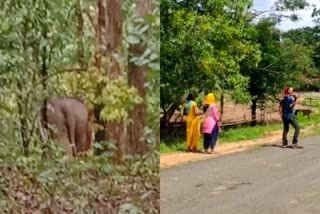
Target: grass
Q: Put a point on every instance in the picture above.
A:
(228, 136)
(314, 103)
(175, 145)
(240, 134)
(247, 133)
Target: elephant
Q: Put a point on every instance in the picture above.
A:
(68, 120)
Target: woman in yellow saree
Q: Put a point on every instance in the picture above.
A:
(193, 124)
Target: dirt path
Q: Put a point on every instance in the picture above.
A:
(173, 159)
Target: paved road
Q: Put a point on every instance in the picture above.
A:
(266, 180)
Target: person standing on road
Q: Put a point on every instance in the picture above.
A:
(211, 126)
(286, 110)
(193, 124)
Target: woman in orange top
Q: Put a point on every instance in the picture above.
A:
(193, 124)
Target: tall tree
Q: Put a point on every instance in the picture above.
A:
(137, 79)
(115, 130)
(202, 46)
(309, 37)
(35, 46)
(282, 63)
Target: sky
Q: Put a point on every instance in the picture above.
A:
(305, 15)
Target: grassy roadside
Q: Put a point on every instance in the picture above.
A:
(241, 134)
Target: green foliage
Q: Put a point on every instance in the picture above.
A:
(280, 9)
(36, 29)
(204, 50)
(311, 120)
(291, 5)
(151, 41)
(282, 62)
(311, 102)
(35, 44)
(308, 37)
(114, 96)
(175, 145)
(247, 133)
(316, 15)
(216, 46)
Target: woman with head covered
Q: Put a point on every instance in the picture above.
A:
(193, 124)
(211, 125)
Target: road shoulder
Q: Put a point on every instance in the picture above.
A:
(274, 138)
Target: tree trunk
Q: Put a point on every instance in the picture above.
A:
(80, 34)
(100, 134)
(254, 112)
(99, 25)
(44, 77)
(167, 114)
(163, 119)
(221, 107)
(115, 131)
(100, 30)
(109, 20)
(137, 75)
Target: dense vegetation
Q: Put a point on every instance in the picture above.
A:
(229, 48)
(106, 52)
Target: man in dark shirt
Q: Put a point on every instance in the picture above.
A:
(286, 109)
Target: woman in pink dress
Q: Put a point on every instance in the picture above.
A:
(211, 125)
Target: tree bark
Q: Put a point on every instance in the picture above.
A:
(44, 76)
(136, 144)
(80, 34)
(137, 78)
(115, 131)
(254, 112)
(108, 40)
(163, 119)
(99, 25)
(221, 107)
(167, 114)
(99, 134)
(100, 29)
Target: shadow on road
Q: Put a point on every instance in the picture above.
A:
(272, 145)
(280, 146)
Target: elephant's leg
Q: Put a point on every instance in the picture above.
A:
(81, 132)
(71, 128)
(63, 141)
